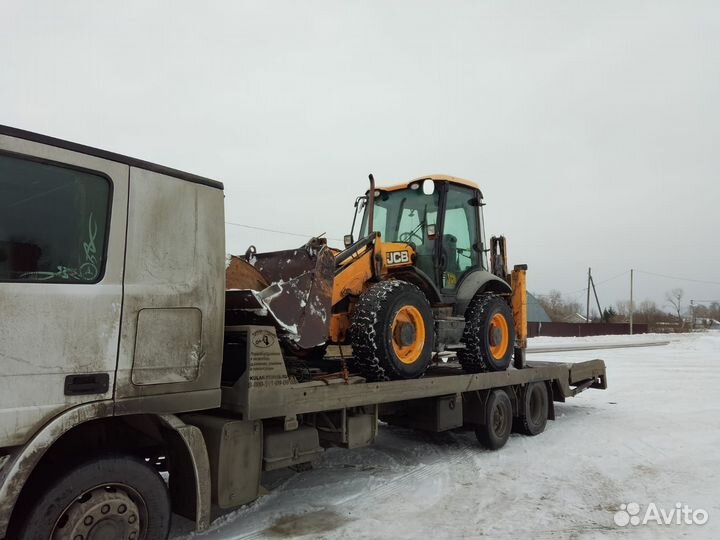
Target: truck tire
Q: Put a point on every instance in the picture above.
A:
(534, 409)
(489, 335)
(391, 332)
(498, 421)
(109, 497)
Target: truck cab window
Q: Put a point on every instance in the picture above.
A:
(52, 222)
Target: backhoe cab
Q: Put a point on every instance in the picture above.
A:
(414, 285)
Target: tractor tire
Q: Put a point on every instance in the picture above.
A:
(533, 409)
(489, 335)
(110, 497)
(391, 332)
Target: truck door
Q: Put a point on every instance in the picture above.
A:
(62, 242)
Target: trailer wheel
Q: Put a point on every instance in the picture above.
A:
(391, 331)
(498, 421)
(534, 411)
(489, 335)
(110, 497)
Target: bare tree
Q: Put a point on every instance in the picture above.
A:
(649, 312)
(622, 311)
(675, 297)
(557, 307)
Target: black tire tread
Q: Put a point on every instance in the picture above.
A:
(482, 433)
(472, 357)
(111, 468)
(366, 329)
(525, 426)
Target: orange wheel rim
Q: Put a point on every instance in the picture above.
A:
(408, 334)
(499, 336)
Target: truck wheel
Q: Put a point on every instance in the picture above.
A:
(534, 410)
(391, 332)
(111, 497)
(489, 335)
(498, 421)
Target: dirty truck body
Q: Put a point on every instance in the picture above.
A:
(117, 362)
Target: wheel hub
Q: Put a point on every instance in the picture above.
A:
(496, 336)
(498, 419)
(406, 334)
(104, 513)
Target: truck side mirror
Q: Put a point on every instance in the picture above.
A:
(348, 240)
(431, 232)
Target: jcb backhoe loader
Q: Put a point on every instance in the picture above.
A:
(416, 284)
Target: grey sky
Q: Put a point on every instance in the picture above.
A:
(592, 127)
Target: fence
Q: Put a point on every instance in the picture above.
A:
(561, 329)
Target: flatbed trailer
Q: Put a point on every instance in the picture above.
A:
(270, 419)
(326, 393)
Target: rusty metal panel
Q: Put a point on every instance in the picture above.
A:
(240, 274)
(52, 330)
(297, 300)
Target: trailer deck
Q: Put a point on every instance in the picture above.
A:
(264, 390)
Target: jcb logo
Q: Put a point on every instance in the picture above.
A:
(397, 257)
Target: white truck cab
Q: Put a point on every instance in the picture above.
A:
(111, 292)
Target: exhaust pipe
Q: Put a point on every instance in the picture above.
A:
(371, 204)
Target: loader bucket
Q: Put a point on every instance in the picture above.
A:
(291, 290)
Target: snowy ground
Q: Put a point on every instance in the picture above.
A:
(652, 437)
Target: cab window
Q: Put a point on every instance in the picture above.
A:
(53, 222)
(460, 240)
(403, 216)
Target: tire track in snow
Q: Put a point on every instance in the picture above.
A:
(438, 467)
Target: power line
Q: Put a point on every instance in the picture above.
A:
(600, 282)
(679, 278)
(650, 274)
(264, 229)
(611, 278)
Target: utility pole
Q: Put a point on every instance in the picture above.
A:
(587, 304)
(692, 314)
(600, 311)
(631, 300)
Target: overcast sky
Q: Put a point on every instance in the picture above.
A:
(593, 128)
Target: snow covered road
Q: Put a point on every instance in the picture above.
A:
(652, 437)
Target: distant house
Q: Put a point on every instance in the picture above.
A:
(711, 324)
(536, 313)
(575, 318)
